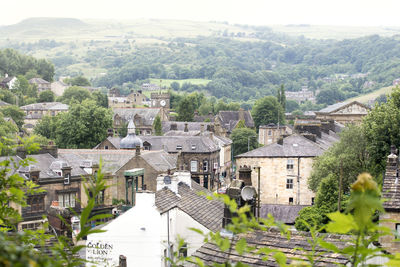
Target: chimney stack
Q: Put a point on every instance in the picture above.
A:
(241, 114)
(137, 153)
(186, 127)
(280, 141)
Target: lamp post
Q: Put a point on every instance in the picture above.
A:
(248, 141)
(258, 192)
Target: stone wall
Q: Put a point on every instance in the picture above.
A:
(273, 179)
(388, 241)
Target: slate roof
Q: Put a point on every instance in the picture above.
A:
(180, 125)
(391, 187)
(337, 106)
(229, 119)
(208, 213)
(147, 114)
(161, 161)
(113, 160)
(182, 133)
(201, 144)
(115, 141)
(45, 106)
(327, 140)
(38, 81)
(293, 146)
(273, 239)
(283, 213)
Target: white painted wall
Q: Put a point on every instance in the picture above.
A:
(144, 247)
(125, 234)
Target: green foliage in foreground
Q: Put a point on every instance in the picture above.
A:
(28, 248)
(356, 223)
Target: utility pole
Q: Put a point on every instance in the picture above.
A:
(340, 185)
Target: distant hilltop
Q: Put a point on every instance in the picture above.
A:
(45, 23)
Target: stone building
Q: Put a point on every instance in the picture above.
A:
(61, 178)
(142, 117)
(268, 134)
(301, 96)
(160, 100)
(228, 120)
(42, 85)
(284, 170)
(35, 112)
(390, 189)
(344, 112)
(134, 99)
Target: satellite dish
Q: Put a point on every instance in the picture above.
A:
(167, 179)
(248, 193)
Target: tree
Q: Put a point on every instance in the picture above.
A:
(291, 105)
(74, 92)
(77, 81)
(157, 126)
(7, 96)
(185, 109)
(381, 130)
(267, 110)
(100, 98)
(83, 126)
(281, 96)
(46, 96)
(14, 113)
(47, 127)
(243, 140)
(348, 157)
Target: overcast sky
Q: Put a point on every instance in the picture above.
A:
(259, 12)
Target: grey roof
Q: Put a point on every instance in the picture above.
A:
(283, 213)
(208, 213)
(327, 140)
(161, 161)
(194, 144)
(293, 146)
(180, 125)
(337, 106)
(2, 103)
(147, 114)
(182, 133)
(131, 141)
(229, 119)
(38, 81)
(115, 141)
(112, 160)
(273, 239)
(45, 106)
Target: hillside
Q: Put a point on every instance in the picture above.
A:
(236, 62)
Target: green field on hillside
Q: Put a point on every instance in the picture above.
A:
(372, 95)
(167, 82)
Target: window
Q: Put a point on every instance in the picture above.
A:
(193, 166)
(105, 147)
(67, 178)
(269, 132)
(205, 166)
(36, 204)
(66, 200)
(398, 228)
(312, 200)
(183, 250)
(193, 147)
(289, 165)
(31, 226)
(290, 201)
(289, 183)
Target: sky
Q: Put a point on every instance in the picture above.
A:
(253, 12)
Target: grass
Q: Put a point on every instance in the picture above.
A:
(167, 82)
(372, 95)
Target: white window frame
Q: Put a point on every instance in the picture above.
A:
(205, 165)
(67, 200)
(290, 164)
(193, 166)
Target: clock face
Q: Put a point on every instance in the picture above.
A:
(162, 102)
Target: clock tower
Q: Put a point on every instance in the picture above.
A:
(160, 100)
